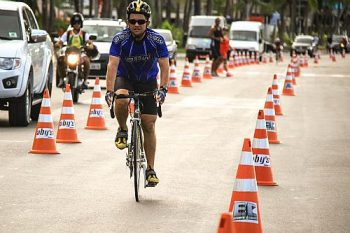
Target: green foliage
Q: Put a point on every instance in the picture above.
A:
(287, 39)
(166, 25)
(176, 31)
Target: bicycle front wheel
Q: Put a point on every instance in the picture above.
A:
(136, 138)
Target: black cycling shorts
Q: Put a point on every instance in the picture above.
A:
(148, 103)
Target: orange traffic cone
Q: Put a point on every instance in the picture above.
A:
(96, 119)
(270, 118)
(67, 132)
(231, 62)
(207, 69)
(225, 224)
(44, 138)
(186, 78)
(196, 76)
(288, 88)
(261, 151)
(290, 71)
(173, 87)
(244, 204)
(276, 96)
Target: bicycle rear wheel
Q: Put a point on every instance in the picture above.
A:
(136, 138)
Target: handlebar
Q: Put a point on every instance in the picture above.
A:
(133, 95)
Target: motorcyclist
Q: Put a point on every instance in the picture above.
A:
(76, 37)
(278, 47)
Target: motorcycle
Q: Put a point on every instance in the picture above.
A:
(74, 74)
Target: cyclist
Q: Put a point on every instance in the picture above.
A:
(132, 66)
(78, 38)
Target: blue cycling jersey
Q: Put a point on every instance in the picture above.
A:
(138, 59)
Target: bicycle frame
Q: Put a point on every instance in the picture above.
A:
(135, 156)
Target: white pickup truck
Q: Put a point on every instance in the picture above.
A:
(26, 66)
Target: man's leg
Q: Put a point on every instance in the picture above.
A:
(121, 112)
(150, 142)
(149, 132)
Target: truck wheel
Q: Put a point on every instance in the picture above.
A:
(49, 79)
(20, 108)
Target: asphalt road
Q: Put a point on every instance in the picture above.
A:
(86, 187)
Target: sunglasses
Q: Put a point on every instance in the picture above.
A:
(138, 21)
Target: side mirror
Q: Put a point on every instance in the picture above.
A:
(177, 42)
(38, 36)
(92, 37)
(260, 41)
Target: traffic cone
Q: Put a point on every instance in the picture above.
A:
(44, 138)
(186, 78)
(276, 96)
(231, 62)
(96, 119)
(196, 76)
(244, 204)
(225, 224)
(261, 151)
(173, 87)
(270, 119)
(207, 69)
(67, 132)
(290, 71)
(288, 88)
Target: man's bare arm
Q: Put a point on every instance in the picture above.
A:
(164, 71)
(112, 68)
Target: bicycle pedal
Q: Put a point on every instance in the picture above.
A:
(151, 185)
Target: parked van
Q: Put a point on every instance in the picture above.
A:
(198, 41)
(247, 36)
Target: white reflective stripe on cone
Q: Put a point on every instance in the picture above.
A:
(97, 88)
(260, 143)
(45, 118)
(246, 158)
(67, 96)
(67, 110)
(260, 124)
(96, 101)
(269, 111)
(45, 103)
(245, 185)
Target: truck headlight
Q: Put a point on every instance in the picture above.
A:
(73, 59)
(9, 63)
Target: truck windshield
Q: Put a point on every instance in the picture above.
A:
(243, 35)
(104, 33)
(304, 41)
(10, 28)
(199, 31)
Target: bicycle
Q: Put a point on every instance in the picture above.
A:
(135, 156)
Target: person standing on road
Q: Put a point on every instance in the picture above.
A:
(216, 36)
(133, 58)
(224, 49)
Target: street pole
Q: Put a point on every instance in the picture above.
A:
(299, 18)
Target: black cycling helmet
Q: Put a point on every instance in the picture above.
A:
(77, 18)
(139, 7)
